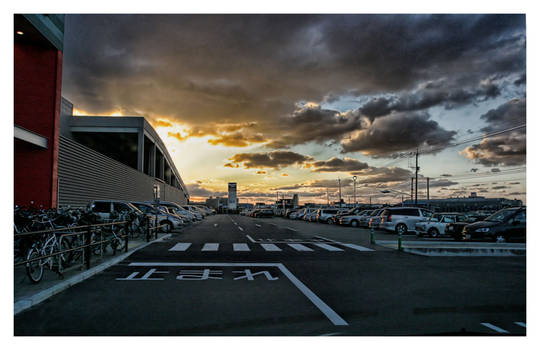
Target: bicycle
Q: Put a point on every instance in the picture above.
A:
(47, 253)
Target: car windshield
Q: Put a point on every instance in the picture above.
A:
(501, 215)
(435, 218)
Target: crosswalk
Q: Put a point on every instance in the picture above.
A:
(268, 247)
(497, 328)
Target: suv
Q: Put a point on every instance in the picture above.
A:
(104, 208)
(325, 215)
(264, 213)
(403, 219)
(505, 225)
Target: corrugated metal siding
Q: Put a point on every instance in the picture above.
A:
(85, 175)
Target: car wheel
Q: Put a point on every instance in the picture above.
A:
(401, 229)
(329, 222)
(354, 223)
(500, 238)
(433, 232)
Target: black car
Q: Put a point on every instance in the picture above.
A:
(503, 226)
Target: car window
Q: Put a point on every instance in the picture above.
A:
(461, 218)
(501, 215)
(121, 207)
(521, 217)
(435, 218)
(449, 219)
(426, 213)
(102, 207)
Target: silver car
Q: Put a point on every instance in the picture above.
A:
(403, 219)
(374, 218)
(354, 220)
(436, 224)
(163, 217)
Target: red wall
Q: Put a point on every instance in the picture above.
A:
(38, 82)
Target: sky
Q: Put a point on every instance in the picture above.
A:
(285, 104)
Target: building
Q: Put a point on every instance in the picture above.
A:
(232, 199)
(38, 47)
(114, 157)
(464, 204)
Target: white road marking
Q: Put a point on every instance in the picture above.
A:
(300, 247)
(356, 247)
(210, 247)
(215, 225)
(241, 229)
(328, 247)
(290, 228)
(180, 247)
(521, 324)
(251, 239)
(257, 225)
(241, 247)
(495, 328)
(321, 305)
(270, 247)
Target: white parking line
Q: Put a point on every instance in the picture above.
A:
(356, 247)
(241, 247)
(328, 247)
(495, 328)
(180, 247)
(521, 324)
(300, 247)
(270, 247)
(321, 305)
(241, 229)
(251, 239)
(258, 225)
(210, 247)
(292, 229)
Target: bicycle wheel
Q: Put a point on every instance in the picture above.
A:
(65, 258)
(34, 269)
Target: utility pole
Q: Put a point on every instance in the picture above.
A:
(339, 183)
(412, 184)
(416, 183)
(354, 188)
(428, 188)
(327, 198)
(370, 201)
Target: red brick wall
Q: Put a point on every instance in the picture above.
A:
(38, 82)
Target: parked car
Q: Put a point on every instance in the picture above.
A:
(354, 211)
(402, 219)
(310, 215)
(293, 215)
(354, 220)
(104, 208)
(374, 218)
(325, 215)
(164, 217)
(177, 209)
(264, 213)
(435, 226)
(503, 226)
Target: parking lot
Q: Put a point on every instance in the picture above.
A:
(236, 275)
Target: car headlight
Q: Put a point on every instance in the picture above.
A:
(483, 229)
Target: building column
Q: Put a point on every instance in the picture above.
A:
(140, 151)
(153, 161)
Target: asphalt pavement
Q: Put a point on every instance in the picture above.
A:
(235, 275)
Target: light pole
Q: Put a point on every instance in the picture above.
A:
(339, 183)
(354, 188)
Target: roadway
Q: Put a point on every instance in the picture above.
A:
(235, 275)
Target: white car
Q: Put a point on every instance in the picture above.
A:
(436, 224)
(355, 220)
(164, 218)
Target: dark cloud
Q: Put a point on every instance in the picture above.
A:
(237, 139)
(505, 149)
(498, 187)
(312, 123)
(446, 175)
(514, 183)
(199, 69)
(516, 193)
(397, 132)
(338, 165)
(441, 183)
(197, 190)
(274, 160)
(474, 170)
(382, 175)
(495, 170)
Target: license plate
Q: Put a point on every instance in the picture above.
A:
(467, 236)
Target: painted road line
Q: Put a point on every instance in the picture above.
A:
(521, 324)
(300, 247)
(258, 225)
(215, 225)
(241, 247)
(495, 328)
(180, 247)
(328, 247)
(241, 229)
(356, 247)
(251, 239)
(210, 247)
(290, 228)
(321, 305)
(270, 247)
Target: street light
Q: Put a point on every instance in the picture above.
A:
(354, 188)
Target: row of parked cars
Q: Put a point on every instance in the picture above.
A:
(504, 225)
(171, 214)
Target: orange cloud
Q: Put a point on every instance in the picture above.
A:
(284, 174)
(177, 136)
(261, 172)
(237, 139)
(162, 123)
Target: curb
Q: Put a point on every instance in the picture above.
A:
(27, 302)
